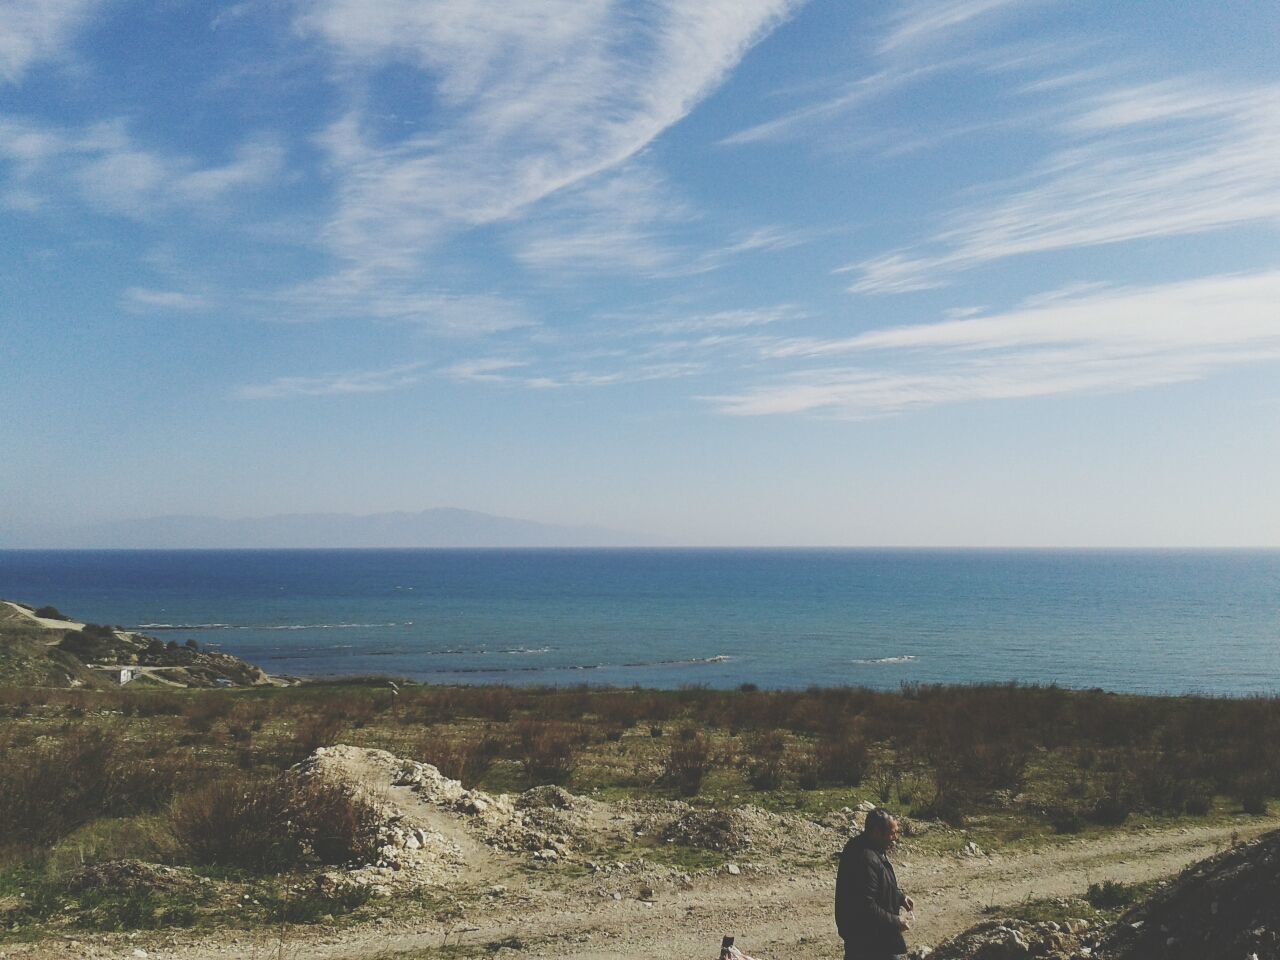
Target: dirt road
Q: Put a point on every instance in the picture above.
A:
(554, 916)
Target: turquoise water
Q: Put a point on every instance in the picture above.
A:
(1121, 620)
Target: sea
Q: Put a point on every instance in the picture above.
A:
(1203, 622)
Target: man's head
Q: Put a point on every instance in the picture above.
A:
(881, 829)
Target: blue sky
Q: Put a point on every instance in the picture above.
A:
(963, 272)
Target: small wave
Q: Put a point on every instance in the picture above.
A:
(690, 662)
(527, 651)
(904, 658)
(284, 626)
(519, 668)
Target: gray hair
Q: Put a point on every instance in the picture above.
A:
(878, 821)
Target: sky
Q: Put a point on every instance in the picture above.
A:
(715, 272)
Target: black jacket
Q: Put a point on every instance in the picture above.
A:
(868, 900)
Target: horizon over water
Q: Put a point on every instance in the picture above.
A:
(1152, 621)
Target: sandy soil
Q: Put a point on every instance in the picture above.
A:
(29, 616)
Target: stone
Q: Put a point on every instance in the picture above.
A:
(732, 869)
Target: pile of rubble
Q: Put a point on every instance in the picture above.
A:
(133, 876)
(1015, 940)
(728, 831)
(548, 822)
(1227, 906)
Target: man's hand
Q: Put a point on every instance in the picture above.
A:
(908, 903)
(904, 924)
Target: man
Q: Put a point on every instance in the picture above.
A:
(867, 894)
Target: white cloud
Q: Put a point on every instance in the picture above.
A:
(855, 93)
(34, 30)
(482, 370)
(141, 298)
(115, 174)
(618, 222)
(563, 373)
(722, 320)
(920, 22)
(358, 293)
(339, 384)
(132, 181)
(1158, 160)
(1097, 341)
(532, 96)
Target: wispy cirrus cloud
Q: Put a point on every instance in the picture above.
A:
(108, 169)
(920, 22)
(721, 321)
(367, 294)
(530, 98)
(1155, 160)
(563, 373)
(618, 222)
(334, 385)
(483, 370)
(35, 30)
(1097, 341)
(144, 299)
(920, 40)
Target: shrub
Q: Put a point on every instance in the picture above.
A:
(1251, 792)
(549, 751)
(844, 757)
(312, 732)
(808, 770)
(1111, 894)
(1114, 806)
(276, 824)
(766, 765)
(50, 613)
(1066, 819)
(463, 760)
(339, 823)
(48, 790)
(688, 762)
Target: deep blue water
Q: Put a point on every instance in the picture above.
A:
(1206, 621)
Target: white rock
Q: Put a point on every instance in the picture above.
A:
(732, 869)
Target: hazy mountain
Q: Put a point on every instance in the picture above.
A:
(440, 527)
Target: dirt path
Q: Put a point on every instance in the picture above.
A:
(551, 916)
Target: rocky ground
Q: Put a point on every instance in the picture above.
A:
(547, 874)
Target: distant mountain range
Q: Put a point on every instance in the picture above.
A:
(440, 527)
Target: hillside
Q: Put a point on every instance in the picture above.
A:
(51, 651)
(29, 656)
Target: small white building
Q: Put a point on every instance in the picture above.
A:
(126, 674)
